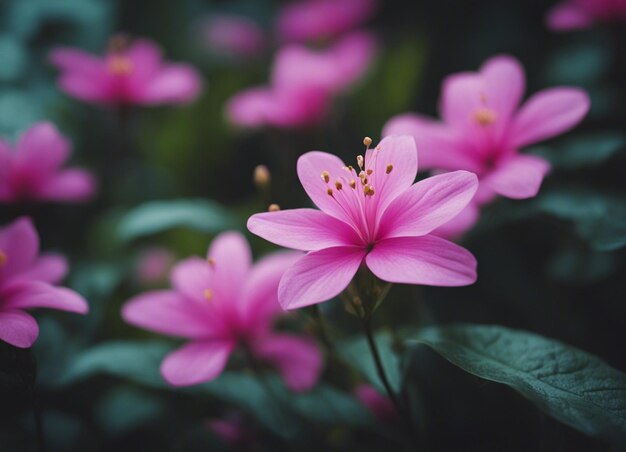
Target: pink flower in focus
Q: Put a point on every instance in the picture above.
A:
(232, 35)
(126, 75)
(218, 303)
(315, 20)
(370, 215)
(27, 280)
(484, 127)
(379, 405)
(579, 14)
(154, 265)
(33, 169)
(303, 84)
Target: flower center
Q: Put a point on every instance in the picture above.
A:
(484, 116)
(207, 294)
(3, 258)
(120, 65)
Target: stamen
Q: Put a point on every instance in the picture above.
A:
(329, 191)
(360, 161)
(273, 208)
(485, 116)
(368, 190)
(207, 294)
(367, 141)
(120, 65)
(262, 177)
(389, 168)
(369, 172)
(353, 183)
(338, 185)
(211, 261)
(3, 258)
(325, 176)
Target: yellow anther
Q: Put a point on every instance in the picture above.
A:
(368, 190)
(367, 141)
(262, 177)
(207, 294)
(273, 208)
(485, 116)
(120, 65)
(350, 167)
(325, 176)
(370, 171)
(353, 183)
(329, 191)
(3, 258)
(338, 185)
(389, 168)
(211, 261)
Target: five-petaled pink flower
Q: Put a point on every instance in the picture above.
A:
(318, 20)
(33, 169)
(371, 214)
(579, 14)
(27, 280)
(132, 74)
(221, 302)
(303, 84)
(484, 128)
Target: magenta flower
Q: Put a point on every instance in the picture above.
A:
(318, 20)
(218, 303)
(234, 36)
(303, 84)
(126, 75)
(578, 14)
(33, 169)
(379, 405)
(370, 215)
(27, 280)
(484, 128)
(154, 265)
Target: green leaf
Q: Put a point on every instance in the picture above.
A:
(357, 353)
(569, 384)
(158, 216)
(584, 150)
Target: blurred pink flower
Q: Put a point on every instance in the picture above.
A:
(234, 36)
(27, 280)
(126, 74)
(154, 265)
(379, 405)
(218, 303)
(370, 215)
(33, 169)
(316, 20)
(483, 129)
(578, 14)
(303, 83)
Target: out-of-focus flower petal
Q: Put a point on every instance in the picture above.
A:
(196, 362)
(18, 328)
(519, 177)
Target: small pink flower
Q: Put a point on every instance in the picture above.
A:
(303, 84)
(218, 303)
(484, 128)
(579, 14)
(371, 214)
(127, 75)
(27, 280)
(316, 20)
(234, 36)
(33, 169)
(379, 405)
(154, 265)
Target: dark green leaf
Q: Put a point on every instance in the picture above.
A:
(585, 150)
(571, 385)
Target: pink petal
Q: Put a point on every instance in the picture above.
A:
(178, 84)
(234, 35)
(146, 58)
(378, 404)
(505, 84)
(167, 312)
(42, 149)
(462, 94)
(97, 90)
(319, 276)
(249, 108)
(36, 294)
(426, 260)
(428, 204)
(191, 277)
(19, 243)
(438, 145)
(519, 177)
(310, 168)
(259, 298)
(49, 268)
(549, 113)
(460, 224)
(196, 362)
(231, 260)
(302, 229)
(69, 185)
(298, 360)
(83, 76)
(568, 16)
(399, 152)
(18, 328)
(73, 60)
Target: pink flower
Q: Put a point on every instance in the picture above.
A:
(370, 215)
(578, 14)
(33, 169)
(484, 128)
(27, 281)
(316, 20)
(379, 405)
(303, 84)
(126, 75)
(154, 264)
(218, 303)
(233, 35)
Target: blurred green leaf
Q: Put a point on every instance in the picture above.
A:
(571, 385)
(123, 409)
(356, 352)
(158, 216)
(584, 150)
(580, 63)
(580, 265)
(14, 58)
